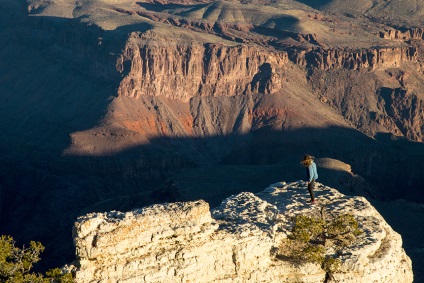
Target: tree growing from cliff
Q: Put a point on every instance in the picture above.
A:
(311, 237)
(16, 264)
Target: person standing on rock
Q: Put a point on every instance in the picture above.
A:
(311, 174)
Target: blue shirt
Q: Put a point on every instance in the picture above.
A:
(311, 172)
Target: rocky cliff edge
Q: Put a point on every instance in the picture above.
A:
(236, 242)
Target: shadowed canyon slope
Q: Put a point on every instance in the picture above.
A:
(119, 104)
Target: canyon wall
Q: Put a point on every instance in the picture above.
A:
(180, 71)
(236, 242)
(362, 59)
(403, 33)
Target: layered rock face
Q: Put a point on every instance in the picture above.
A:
(405, 34)
(181, 72)
(236, 242)
(364, 59)
(190, 71)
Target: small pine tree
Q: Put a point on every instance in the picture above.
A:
(16, 264)
(310, 237)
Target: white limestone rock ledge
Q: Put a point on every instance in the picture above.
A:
(236, 242)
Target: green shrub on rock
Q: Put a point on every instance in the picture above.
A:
(311, 237)
(16, 264)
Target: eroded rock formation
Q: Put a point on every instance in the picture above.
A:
(183, 71)
(236, 242)
(364, 59)
(403, 34)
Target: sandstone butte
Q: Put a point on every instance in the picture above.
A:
(235, 242)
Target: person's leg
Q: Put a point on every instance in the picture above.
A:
(311, 186)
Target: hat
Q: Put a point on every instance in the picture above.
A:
(307, 159)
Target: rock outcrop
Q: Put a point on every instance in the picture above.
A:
(403, 33)
(363, 59)
(236, 242)
(182, 72)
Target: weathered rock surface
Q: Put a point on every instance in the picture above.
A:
(404, 34)
(364, 59)
(182, 72)
(236, 242)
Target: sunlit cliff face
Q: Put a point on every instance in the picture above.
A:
(239, 240)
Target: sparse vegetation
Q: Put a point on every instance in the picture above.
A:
(16, 264)
(312, 237)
